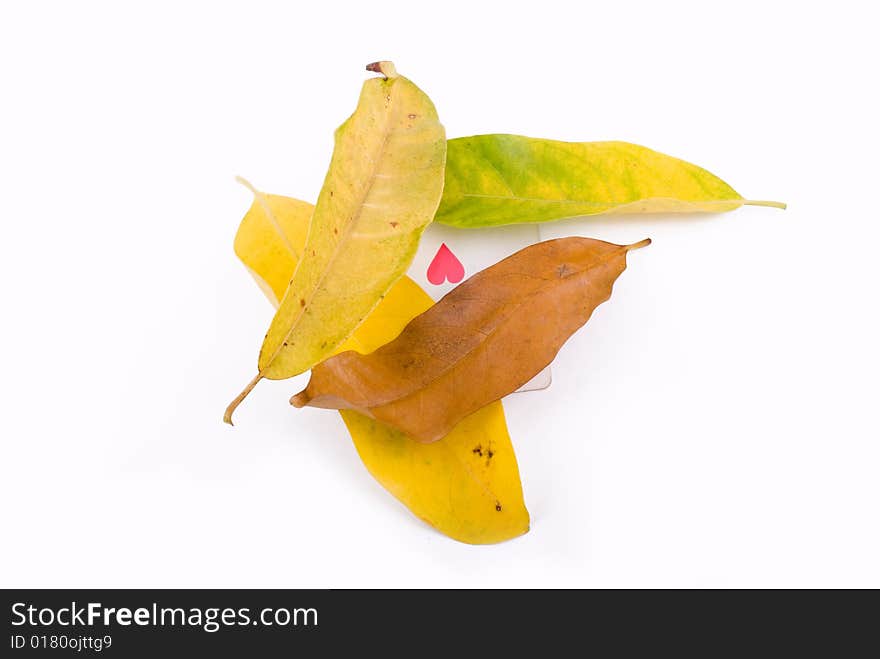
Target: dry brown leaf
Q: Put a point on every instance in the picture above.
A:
(485, 339)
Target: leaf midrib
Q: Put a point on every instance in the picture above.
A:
(596, 203)
(342, 241)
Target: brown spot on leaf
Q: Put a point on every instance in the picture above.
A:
(498, 506)
(302, 302)
(412, 116)
(394, 225)
(478, 450)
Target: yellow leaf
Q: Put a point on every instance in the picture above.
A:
(467, 485)
(381, 191)
(270, 239)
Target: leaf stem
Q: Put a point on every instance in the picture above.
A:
(227, 416)
(260, 197)
(247, 184)
(638, 245)
(771, 204)
(385, 68)
(301, 399)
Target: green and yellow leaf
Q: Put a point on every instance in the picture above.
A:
(493, 180)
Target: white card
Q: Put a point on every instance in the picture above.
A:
(448, 256)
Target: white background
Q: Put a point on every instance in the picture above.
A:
(715, 423)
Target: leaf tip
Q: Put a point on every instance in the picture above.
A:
(384, 67)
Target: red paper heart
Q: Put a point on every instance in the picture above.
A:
(445, 265)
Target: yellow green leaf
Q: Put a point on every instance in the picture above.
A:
(381, 191)
(507, 179)
(467, 485)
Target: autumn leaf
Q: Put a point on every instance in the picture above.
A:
(468, 486)
(270, 239)
(482, 341)
(381, 191)
(507, 179)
